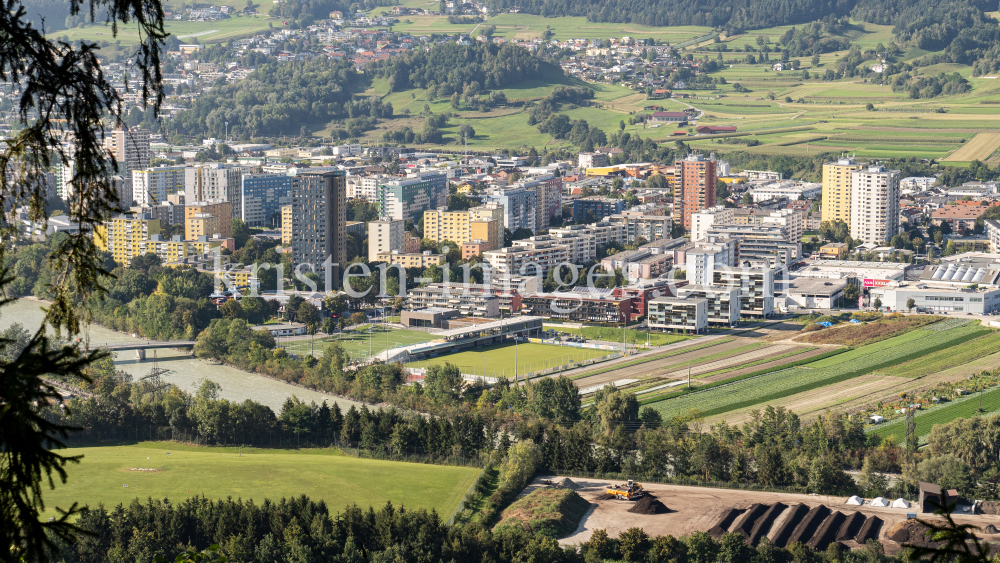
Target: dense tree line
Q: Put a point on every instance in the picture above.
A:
(450, 68)
(814, 38)
(281, 99)
(307, 531)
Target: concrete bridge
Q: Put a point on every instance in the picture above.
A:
(140, 346)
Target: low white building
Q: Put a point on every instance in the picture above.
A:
(792, 190)
(673, 313)
(285, 329)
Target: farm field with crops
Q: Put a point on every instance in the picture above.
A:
(966, 407)
(775, 386)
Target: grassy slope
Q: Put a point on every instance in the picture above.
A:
(552, 512)
(221, 472)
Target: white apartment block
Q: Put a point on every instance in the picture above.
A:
(603, 233)
(706, 218)
(874, 214)
(215, 182)
(791, 220)
(992, 228)
(364, 187)
(153, 185)
(703, 260)
(530, 258)
(385, 236)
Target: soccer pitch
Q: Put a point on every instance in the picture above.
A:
(498, 360)
(256, 474)
(357, 342)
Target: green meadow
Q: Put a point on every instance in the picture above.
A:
(183, 471)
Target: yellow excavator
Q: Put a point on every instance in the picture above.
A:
(628, 491)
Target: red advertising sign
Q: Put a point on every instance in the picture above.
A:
(871, 282)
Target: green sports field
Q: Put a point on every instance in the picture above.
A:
(326, 475)
(499, 360)
(357, 342)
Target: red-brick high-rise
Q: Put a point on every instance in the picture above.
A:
(694, 187)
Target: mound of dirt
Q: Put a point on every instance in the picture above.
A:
(649, 505)
(605, 496)
(991, 529)
(988, 507)
(910, 532)
(565, 483)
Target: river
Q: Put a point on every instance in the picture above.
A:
(185, 371)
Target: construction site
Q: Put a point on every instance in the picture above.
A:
(783, 518)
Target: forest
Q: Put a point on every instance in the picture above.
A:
(282, 99)
(469, 70)
(306, 531)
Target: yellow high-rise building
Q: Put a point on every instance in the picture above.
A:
(124, 235)
(221, 209)
(447, 225)
(204, 225)
(286, 225)
(837, 189)
(489, 231)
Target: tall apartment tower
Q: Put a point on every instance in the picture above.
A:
(385, 235)
(130, 147)
(151, 186)
(215, 181)
(319, 204)
(694, 187)
(874, 204)
(837, 189)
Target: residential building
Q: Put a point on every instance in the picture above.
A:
(837, 189)
(286, 225)
(694, 187)
(578, 306)
(407, 199)
(641, 293)
(992, 231)
(593, 209)
(319, 222)
(702, 220)
(592, 160)
(130, 148)
(174, 249)
(474, 248)
(674, 313)
(204, 224)
(756, 288)
(704, 259)
(518, 206)
(469, 304)
(222, 210)
(834, 251)
(385, 236)
(424, 259)
(262, 196)
(603, 233)
(123, 234)
(411, 243)
(168, 213)
(791, 220)
(513, 261)
(874, 213)
(216, 181)
(758, 244)
(650, 260)
(441, 225)
(789, 189)
(640, 225)
(151, 186)
(364, 187)
(723, 303)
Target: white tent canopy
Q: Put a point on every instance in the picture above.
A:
(900, 503)
(855, 501)
(880, 501)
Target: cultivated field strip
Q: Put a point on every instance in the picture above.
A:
(776, 386)
(980, 147)
(655, 367)
(747, 357)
